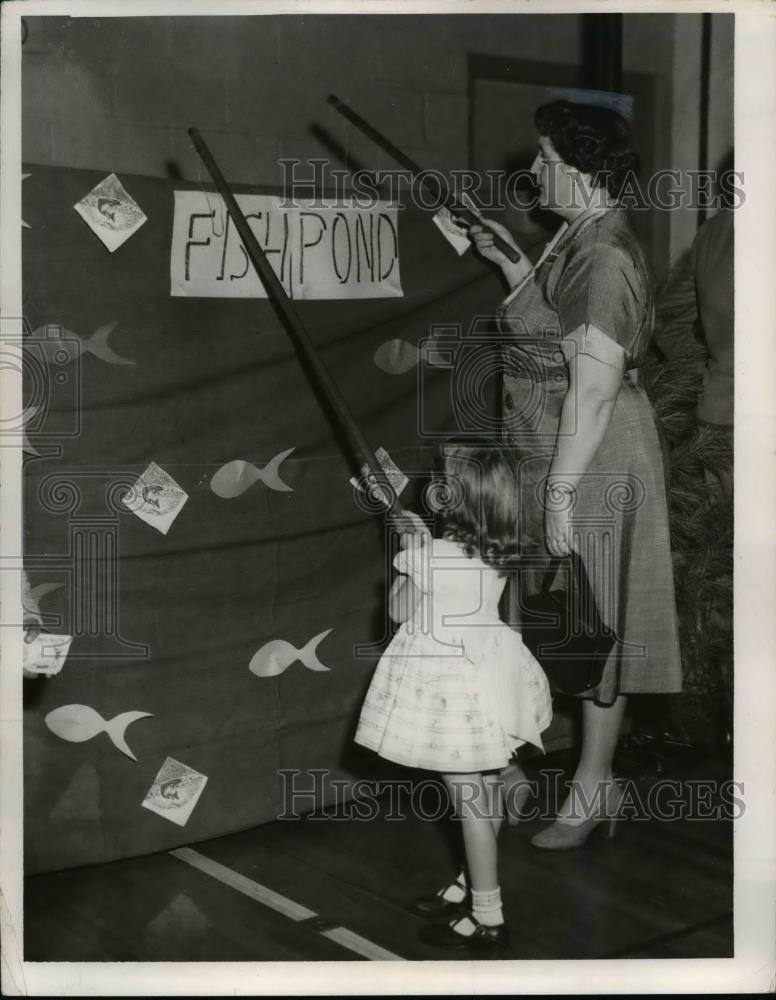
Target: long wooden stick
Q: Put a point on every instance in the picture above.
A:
(451, 203)
(296, 329)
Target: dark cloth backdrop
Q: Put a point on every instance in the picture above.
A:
(213, 380)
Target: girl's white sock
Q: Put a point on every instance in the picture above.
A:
(456, 892)
(486, 907)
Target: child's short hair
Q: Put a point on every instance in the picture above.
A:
(477, 500)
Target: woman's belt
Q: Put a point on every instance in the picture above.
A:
(555, 375)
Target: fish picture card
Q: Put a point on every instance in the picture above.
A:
(456, 234)
(79, 723)
(46, 653)
(175, 791)
(156, 498)
(234, 478)
(110, 212)
(396, 477)
(277, 655)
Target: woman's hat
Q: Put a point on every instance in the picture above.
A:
(621, 103)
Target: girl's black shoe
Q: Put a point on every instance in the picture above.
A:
(483, 939)
(437, 908)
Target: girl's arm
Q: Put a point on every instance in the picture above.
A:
(405, 595)
(403, 599)
(585, 416)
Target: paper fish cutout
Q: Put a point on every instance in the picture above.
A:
(79, 723)
(156, 498)
(39, 592)
(27, 415)
(46, 654)
(111, 213)
(276, 656)
(175, 791)
(25, 225)
(60, 346)
(396, 357)
(234, 478)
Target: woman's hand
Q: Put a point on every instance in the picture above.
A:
(482, 234)
(557, 529)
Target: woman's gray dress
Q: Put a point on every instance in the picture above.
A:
(596, 274)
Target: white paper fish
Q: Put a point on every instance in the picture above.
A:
(27, 415)
(395, 357)
(25, 225)
(276, 656)
(38, 592)
(61, 346)
(234, 478)
(79, 723)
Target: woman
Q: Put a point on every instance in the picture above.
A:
(576, 327)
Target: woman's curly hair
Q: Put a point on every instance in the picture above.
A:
(595, 140)
(477, 501)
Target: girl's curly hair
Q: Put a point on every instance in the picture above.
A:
(595, 140)
(477, 501)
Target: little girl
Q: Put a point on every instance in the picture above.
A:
(456, 691)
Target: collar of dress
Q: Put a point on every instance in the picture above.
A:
(566, 233)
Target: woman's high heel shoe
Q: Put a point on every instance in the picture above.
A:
(516, 788)
(563, 836)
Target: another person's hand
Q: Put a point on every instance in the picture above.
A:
(31, 632)
(557, 533)
(558, 504)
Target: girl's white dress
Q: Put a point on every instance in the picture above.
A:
(456, 690)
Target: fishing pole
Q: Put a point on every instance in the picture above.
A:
(297, 331)
(451, 203)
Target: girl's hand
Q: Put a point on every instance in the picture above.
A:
(412, 529)
(556, 532)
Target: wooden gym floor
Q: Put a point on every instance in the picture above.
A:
(337, 891)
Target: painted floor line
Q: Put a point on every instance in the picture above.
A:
(281, 904)
(360, 945)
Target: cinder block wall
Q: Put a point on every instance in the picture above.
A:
(118, 94)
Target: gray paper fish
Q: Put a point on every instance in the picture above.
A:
(396, 357)
(276, 656)
(79, 723)
(234, 478)
(61, 346)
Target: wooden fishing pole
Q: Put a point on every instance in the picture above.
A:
(451, 203)
(297, 332)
